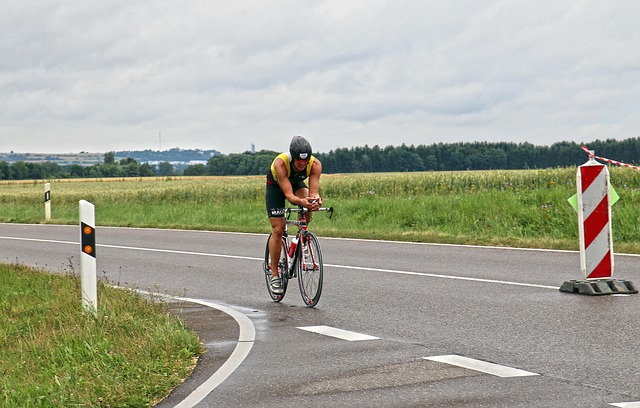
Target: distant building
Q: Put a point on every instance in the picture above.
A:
(64, 159)
(180, 158)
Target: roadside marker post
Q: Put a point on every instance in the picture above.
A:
(88, 276)
(594, 200)
(47, 202)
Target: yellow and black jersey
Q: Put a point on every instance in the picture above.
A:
(293, 176)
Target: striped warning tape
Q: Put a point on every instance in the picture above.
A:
(592, 155)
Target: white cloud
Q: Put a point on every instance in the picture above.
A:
(111, 75)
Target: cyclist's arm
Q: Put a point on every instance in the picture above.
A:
(314, 181)
(285, 184)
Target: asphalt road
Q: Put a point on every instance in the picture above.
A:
(420, 308)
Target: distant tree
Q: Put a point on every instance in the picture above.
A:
(430, 163)
(93, 171)
(146, 170)
(19, 171)
(5, 171)
(405, 159)
(77, 171)
(131, 169)
(34, 171)
(51, 170)
(110, 158)
(127, 161)
(195, 170)
(166, 169)
(110, 170)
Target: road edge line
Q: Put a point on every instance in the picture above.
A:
(246, 339)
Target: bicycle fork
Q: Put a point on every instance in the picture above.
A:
(305, 252)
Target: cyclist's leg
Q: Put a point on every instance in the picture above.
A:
(302, 191)
(275, 242)
(275, 201)
(274, 274)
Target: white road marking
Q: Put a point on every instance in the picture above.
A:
(635, 404)
(338, 333)
(246, 340)
(482, 366)
(434, 275)
(168, 251)
(360, 268)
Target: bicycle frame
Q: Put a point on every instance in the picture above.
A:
(301, 223)
(300, 257)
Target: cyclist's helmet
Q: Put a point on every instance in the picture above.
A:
(300, 148)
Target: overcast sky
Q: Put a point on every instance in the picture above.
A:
(111, 75)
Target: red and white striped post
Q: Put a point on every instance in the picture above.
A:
(594, 200)
(594, 217)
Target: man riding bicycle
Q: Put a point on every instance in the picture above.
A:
(285, 181)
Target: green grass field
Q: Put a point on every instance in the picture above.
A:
(525, 208)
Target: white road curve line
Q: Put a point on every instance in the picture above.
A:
(246, 340)
(482, 366)
(338, 333)
(360, 268)
(635, 404)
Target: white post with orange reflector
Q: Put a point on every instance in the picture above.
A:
(47, 202)
(88, 274)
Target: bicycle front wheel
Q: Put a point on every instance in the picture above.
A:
(309, 266)
(282, 266)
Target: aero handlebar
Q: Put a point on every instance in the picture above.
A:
(304, 210)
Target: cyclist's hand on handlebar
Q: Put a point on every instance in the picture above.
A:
(313, 203)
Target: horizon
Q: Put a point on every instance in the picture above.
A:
(582, 143)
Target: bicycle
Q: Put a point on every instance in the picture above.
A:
(301, 257)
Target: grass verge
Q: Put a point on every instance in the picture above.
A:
(52, 354)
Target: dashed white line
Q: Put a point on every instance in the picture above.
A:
(338, 333)
(635, 404)
(482, 366)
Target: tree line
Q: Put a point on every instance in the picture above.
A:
(434, 157)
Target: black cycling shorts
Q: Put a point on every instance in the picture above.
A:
(275, 198)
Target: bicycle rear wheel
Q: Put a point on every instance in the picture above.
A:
(309, 265)
(282, 266)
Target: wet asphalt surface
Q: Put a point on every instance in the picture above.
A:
(218, 333)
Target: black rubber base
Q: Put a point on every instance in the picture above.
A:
(598, 287)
